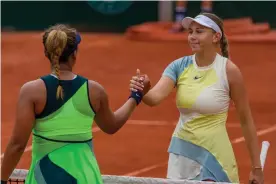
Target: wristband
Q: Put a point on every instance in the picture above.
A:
(137, 96)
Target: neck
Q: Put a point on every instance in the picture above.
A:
(63, 68)
(65, 72)
(205, 58)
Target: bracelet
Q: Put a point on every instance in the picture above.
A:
(257, 167)
(137, 96)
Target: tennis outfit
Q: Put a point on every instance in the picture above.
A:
(200, 148)
(62, 137)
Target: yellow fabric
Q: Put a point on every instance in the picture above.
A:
(188, 89)
(202, 100)
(209, 132)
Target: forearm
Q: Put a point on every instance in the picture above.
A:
(251, 139)
(151, 99)
(123, 113)
(12, 156)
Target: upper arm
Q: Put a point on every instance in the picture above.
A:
(25, 115)
(166, 83)
(238, 91)
(160, 91)
(174, 69)
(104, 115)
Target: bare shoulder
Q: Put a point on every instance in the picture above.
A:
(233, 72)
(96, 88)
(31, 87)
(97, 94)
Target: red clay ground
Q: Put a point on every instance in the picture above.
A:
(141, 150)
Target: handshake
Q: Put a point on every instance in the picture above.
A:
(139, 86)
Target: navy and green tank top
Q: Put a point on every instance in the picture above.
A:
(62, 136)
(69, 119)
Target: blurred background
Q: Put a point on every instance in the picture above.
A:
(120, 36)
(117, 16)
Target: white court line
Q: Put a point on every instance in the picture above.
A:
(259, 133)
(235, 141)
(166, 123)
(29, 148)
(141, 122)
(145, 169)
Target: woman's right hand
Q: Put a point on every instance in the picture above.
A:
(256, 176)
(140, 83)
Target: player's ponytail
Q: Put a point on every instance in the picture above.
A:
(224, 46)
(55, 43)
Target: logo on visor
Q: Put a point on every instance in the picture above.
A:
(110, 7)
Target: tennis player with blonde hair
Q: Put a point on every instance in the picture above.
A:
(206, 82)
(59, 110)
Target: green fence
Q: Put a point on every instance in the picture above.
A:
(117, 16)
(88, 16)
(260, 11)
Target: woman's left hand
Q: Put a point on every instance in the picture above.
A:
(256, 176)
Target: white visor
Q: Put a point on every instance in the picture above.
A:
(202, 20)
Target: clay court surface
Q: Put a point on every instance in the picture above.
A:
(140, 147)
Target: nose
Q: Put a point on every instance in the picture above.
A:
(192, 37)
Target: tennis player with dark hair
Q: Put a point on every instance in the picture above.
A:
(206, 82)
(59, 110)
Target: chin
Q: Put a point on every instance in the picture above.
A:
(195, 50)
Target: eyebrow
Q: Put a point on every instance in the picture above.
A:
(197, 28)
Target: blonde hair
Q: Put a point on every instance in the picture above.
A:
(224, 46)
(56, 39)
